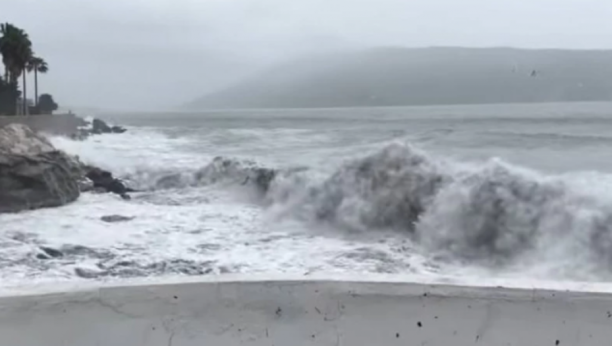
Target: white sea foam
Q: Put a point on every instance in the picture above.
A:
(366, 207)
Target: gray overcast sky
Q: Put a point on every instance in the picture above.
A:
(141, 54)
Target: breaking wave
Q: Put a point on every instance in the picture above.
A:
(492, 214)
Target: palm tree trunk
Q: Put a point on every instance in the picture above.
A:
(25, 97)
(13, 80)
(36, 86)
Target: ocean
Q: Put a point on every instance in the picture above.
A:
(470, 194)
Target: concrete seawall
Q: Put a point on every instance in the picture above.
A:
(56, 124)
(234, 310)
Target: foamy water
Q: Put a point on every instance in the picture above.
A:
(467, 194)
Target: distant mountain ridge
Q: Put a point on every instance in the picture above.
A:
(424, 76)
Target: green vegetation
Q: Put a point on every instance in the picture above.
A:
(46, 105)
(37, 65)
(9, 94)
(19, 59)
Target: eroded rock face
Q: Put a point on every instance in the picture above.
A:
(100, 127)
(33, 174)
(104, 181)
(36, 181)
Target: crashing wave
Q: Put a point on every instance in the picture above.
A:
(219, 170)
(389, 189)
(493, 214)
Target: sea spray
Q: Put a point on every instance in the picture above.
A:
(490, 215)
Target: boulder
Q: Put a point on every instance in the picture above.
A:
(49, 252)
(96, 127)
(118, 129)
(99, 127)
(116, 218)
(104, 180)
(33, 174)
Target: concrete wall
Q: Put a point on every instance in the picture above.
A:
(57, 124)
(293, 312)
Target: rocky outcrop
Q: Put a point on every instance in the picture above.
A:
(33, 174)
(105, 182)
(96, 127)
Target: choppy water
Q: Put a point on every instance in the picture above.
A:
(474, 194)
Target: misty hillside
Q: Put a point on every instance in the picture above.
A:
(398, 76)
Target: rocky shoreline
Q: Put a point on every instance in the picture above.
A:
(34, 174)
(95, 127)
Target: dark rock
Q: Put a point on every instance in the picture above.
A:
(51, 252)
(33, 174)
(36, 181)
(86, 185)
(116, 218)
(99, 127)
(104, 181)
(42, 256)
(118, 129)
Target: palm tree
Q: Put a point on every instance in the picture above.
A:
(37, 65)
(16, 50)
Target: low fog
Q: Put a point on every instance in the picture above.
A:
(160, 54)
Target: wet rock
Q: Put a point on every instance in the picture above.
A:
(99, 127)
(96, 127)
(116, 218)
(118, 129)
(33, 174)
(51, 252)
(86, 185)
(42, 256)
(104, 181)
